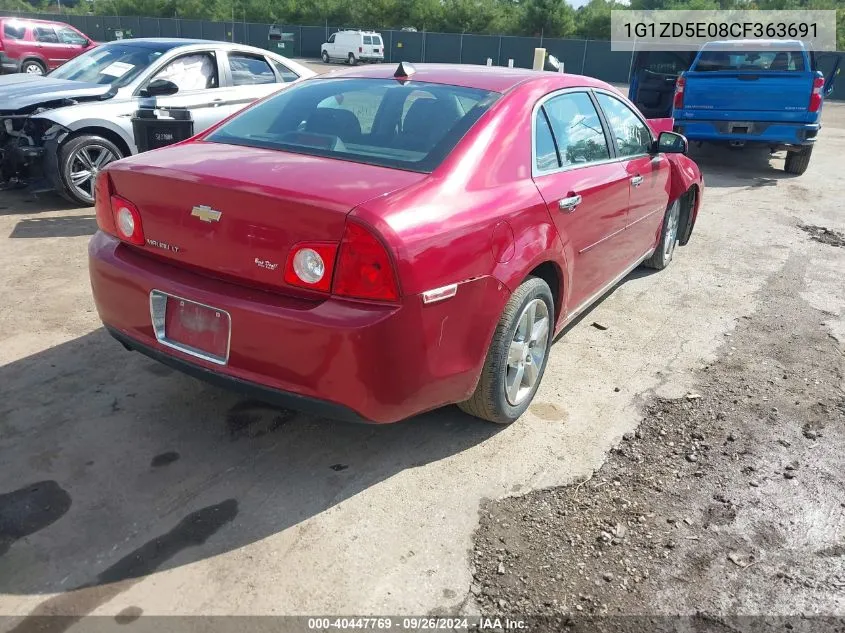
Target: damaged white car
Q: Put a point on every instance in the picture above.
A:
(58, 131)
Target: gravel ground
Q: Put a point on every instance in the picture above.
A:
(726, 501)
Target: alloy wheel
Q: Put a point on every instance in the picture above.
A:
(85, 163)
(527, 351)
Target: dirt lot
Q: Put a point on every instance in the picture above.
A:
(128, 489)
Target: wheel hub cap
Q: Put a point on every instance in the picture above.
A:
(527, 352)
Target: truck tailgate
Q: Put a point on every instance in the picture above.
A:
(767, 91)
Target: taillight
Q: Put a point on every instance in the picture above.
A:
(678, 102)
(364, 269)
(127, 221)
(310, 265)
(360, 49)
(102, 204)
(816, 96)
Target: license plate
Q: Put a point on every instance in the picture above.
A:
(194, 328)
(375, 50)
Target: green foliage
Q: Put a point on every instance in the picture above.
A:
(551, 18)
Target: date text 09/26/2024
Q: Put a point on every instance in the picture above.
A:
(479, 623)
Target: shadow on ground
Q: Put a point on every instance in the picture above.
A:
(116, 467)
(68, 226)
(748, 167)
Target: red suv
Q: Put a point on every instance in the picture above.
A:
(38, 46)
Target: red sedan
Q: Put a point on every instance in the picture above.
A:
(372, 244)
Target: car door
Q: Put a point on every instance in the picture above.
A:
(252, 77)
(202, 87)
(48, 46)
(648, 173)
(73, 41)
(584, 187)
(331, 45)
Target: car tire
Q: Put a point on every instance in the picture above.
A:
(662, 255)
(797, 162)
(513, 341)
(33, 67)
(74, 157)
(351, 59)
(325, 57)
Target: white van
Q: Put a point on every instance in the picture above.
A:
(353, 47)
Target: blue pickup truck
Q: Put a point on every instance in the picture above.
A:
(739, 93)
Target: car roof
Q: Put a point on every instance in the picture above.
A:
(11, 18)
(493, 78)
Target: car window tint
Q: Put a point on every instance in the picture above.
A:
(45, 34)
(331, 38)
(250, 69)
(633, 137)
(577, 128)
(196, 71)
(14, 31)
(368, 39)
(545, 152)
(69, 36)
(376, 40)
(361, 120)
(665, 63)
(750, 60)
(286, 73)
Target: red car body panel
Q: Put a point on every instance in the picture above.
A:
(52, 54)
(480, 221)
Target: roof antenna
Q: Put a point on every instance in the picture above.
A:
(404, 71)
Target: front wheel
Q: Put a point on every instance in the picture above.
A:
(80, 160)
(517, 357)
(325, 57)
(662, 256)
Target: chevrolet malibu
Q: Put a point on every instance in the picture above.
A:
(372, 244)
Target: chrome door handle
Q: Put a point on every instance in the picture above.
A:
(567, 205)
(637, 181)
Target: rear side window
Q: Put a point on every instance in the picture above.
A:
(577, 129)
(14, 31)
(249, 70)
(362, 120)
(286, 73)
(545, 152)
(46, 34)
(750, 60)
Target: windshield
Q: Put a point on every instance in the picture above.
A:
(750, 60)
(409, 126)
(114, 64)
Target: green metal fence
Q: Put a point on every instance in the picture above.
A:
(583, 57)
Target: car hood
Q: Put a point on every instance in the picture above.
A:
(23, 91)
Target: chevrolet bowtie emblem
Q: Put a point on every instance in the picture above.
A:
(206, 213)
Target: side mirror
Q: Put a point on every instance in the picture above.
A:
(160, 88)
(672, 143)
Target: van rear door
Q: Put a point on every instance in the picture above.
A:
(653, 77)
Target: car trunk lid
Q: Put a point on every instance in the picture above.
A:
(235, 212)
(766, 91)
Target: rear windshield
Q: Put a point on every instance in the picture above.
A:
(409, 126)
(750, 60)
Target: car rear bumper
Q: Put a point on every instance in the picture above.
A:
(344, 359)
(763, 132)
(7, 64)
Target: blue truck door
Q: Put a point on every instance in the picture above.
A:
(653, 77)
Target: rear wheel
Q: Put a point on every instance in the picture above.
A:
(517, 356)
(797, 162)
(662, 256)
(325, 57)
(351, 61)
(80, 160)
(33, 67)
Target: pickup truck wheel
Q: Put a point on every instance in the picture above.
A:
(80, 160)
(325, 57)
(33, 67)
(797, 162)
(662, 256)
(517, 356)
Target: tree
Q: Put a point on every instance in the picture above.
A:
(551, 18)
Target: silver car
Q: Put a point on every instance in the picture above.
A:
(60, 129)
